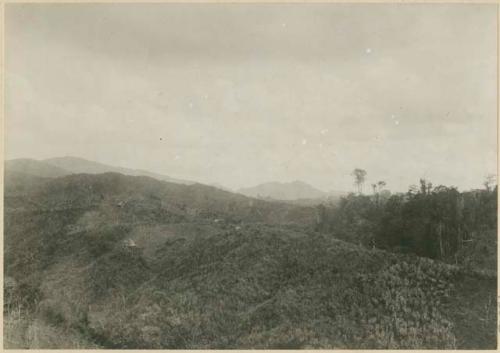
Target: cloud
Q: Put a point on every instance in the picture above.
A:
(234, 92)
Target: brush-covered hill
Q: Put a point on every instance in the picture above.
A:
(117, 261)
(144, 198)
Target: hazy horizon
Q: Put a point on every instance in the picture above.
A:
(242, 94)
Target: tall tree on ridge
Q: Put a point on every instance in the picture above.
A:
(359, 179)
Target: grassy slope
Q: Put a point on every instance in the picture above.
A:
(212, 271)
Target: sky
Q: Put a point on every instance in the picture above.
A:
(240, 94)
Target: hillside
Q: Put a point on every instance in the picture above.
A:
(141, 196)
(119, 261)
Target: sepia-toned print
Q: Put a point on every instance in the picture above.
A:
(250, 176)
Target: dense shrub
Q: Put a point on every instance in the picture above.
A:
(439, 223)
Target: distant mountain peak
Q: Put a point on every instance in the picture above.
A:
(294, 190)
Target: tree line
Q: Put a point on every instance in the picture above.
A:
(437, 222)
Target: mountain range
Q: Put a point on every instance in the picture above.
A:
(61, 166)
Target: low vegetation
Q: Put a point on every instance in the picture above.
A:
(115, 261)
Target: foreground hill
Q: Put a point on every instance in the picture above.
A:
(116, 261)
(144, 199)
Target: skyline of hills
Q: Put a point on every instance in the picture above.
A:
(61, 166)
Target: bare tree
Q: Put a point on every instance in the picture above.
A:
(359, 179)
(490, 181)
(379, 186)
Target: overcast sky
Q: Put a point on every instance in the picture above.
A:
(243, 94)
